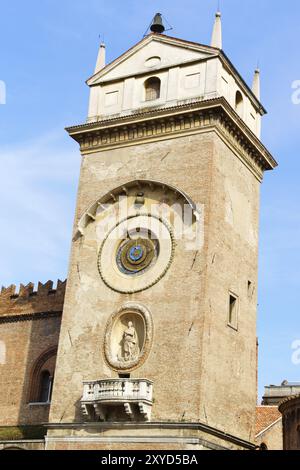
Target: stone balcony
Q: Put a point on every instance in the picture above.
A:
(117, 400)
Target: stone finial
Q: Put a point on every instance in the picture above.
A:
(256, 83)
(101, 60)
(216, 39)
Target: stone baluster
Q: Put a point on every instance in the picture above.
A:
(128, 389)
(86, 391)
(143, 390)
(136, 389)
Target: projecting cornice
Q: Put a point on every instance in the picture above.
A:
(29, 317)
(191, 117)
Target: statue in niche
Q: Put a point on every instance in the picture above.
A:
(130, 343)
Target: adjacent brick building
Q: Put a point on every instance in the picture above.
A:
(29, 333)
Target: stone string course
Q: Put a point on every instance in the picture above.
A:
(191, 118)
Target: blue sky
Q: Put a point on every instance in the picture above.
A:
(48, 49)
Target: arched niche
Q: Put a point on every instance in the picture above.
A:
(128, 337)
(152, 89)
(239, 103)
(138, 188)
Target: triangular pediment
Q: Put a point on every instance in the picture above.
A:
(153, 53)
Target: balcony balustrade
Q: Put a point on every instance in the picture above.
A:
(109, 399)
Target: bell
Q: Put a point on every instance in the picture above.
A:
(140, 199)
(157, 24)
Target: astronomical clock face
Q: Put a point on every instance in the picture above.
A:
(136, 253)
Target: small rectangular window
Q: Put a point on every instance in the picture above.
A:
(233, 311)
(111, 99)
(251, 290)
(192, 80)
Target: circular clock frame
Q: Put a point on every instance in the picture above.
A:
(136, 254)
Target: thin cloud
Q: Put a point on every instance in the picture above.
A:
(37, 193)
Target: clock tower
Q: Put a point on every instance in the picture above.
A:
(158, 340)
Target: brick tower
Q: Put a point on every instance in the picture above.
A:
(158, 339)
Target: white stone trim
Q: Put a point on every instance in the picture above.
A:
(31, 441)
(127, 439)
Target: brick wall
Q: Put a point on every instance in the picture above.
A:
(29, 332)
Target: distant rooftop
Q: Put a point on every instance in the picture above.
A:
(275, 394)
(285, 383)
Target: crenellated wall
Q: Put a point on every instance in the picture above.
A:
(30, 322)
(28, 301)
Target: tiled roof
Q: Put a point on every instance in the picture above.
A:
(265, 416)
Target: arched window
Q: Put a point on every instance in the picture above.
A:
(45, 387)
(263, 446)
(42, 376)
(239, 103)
(152, 89)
